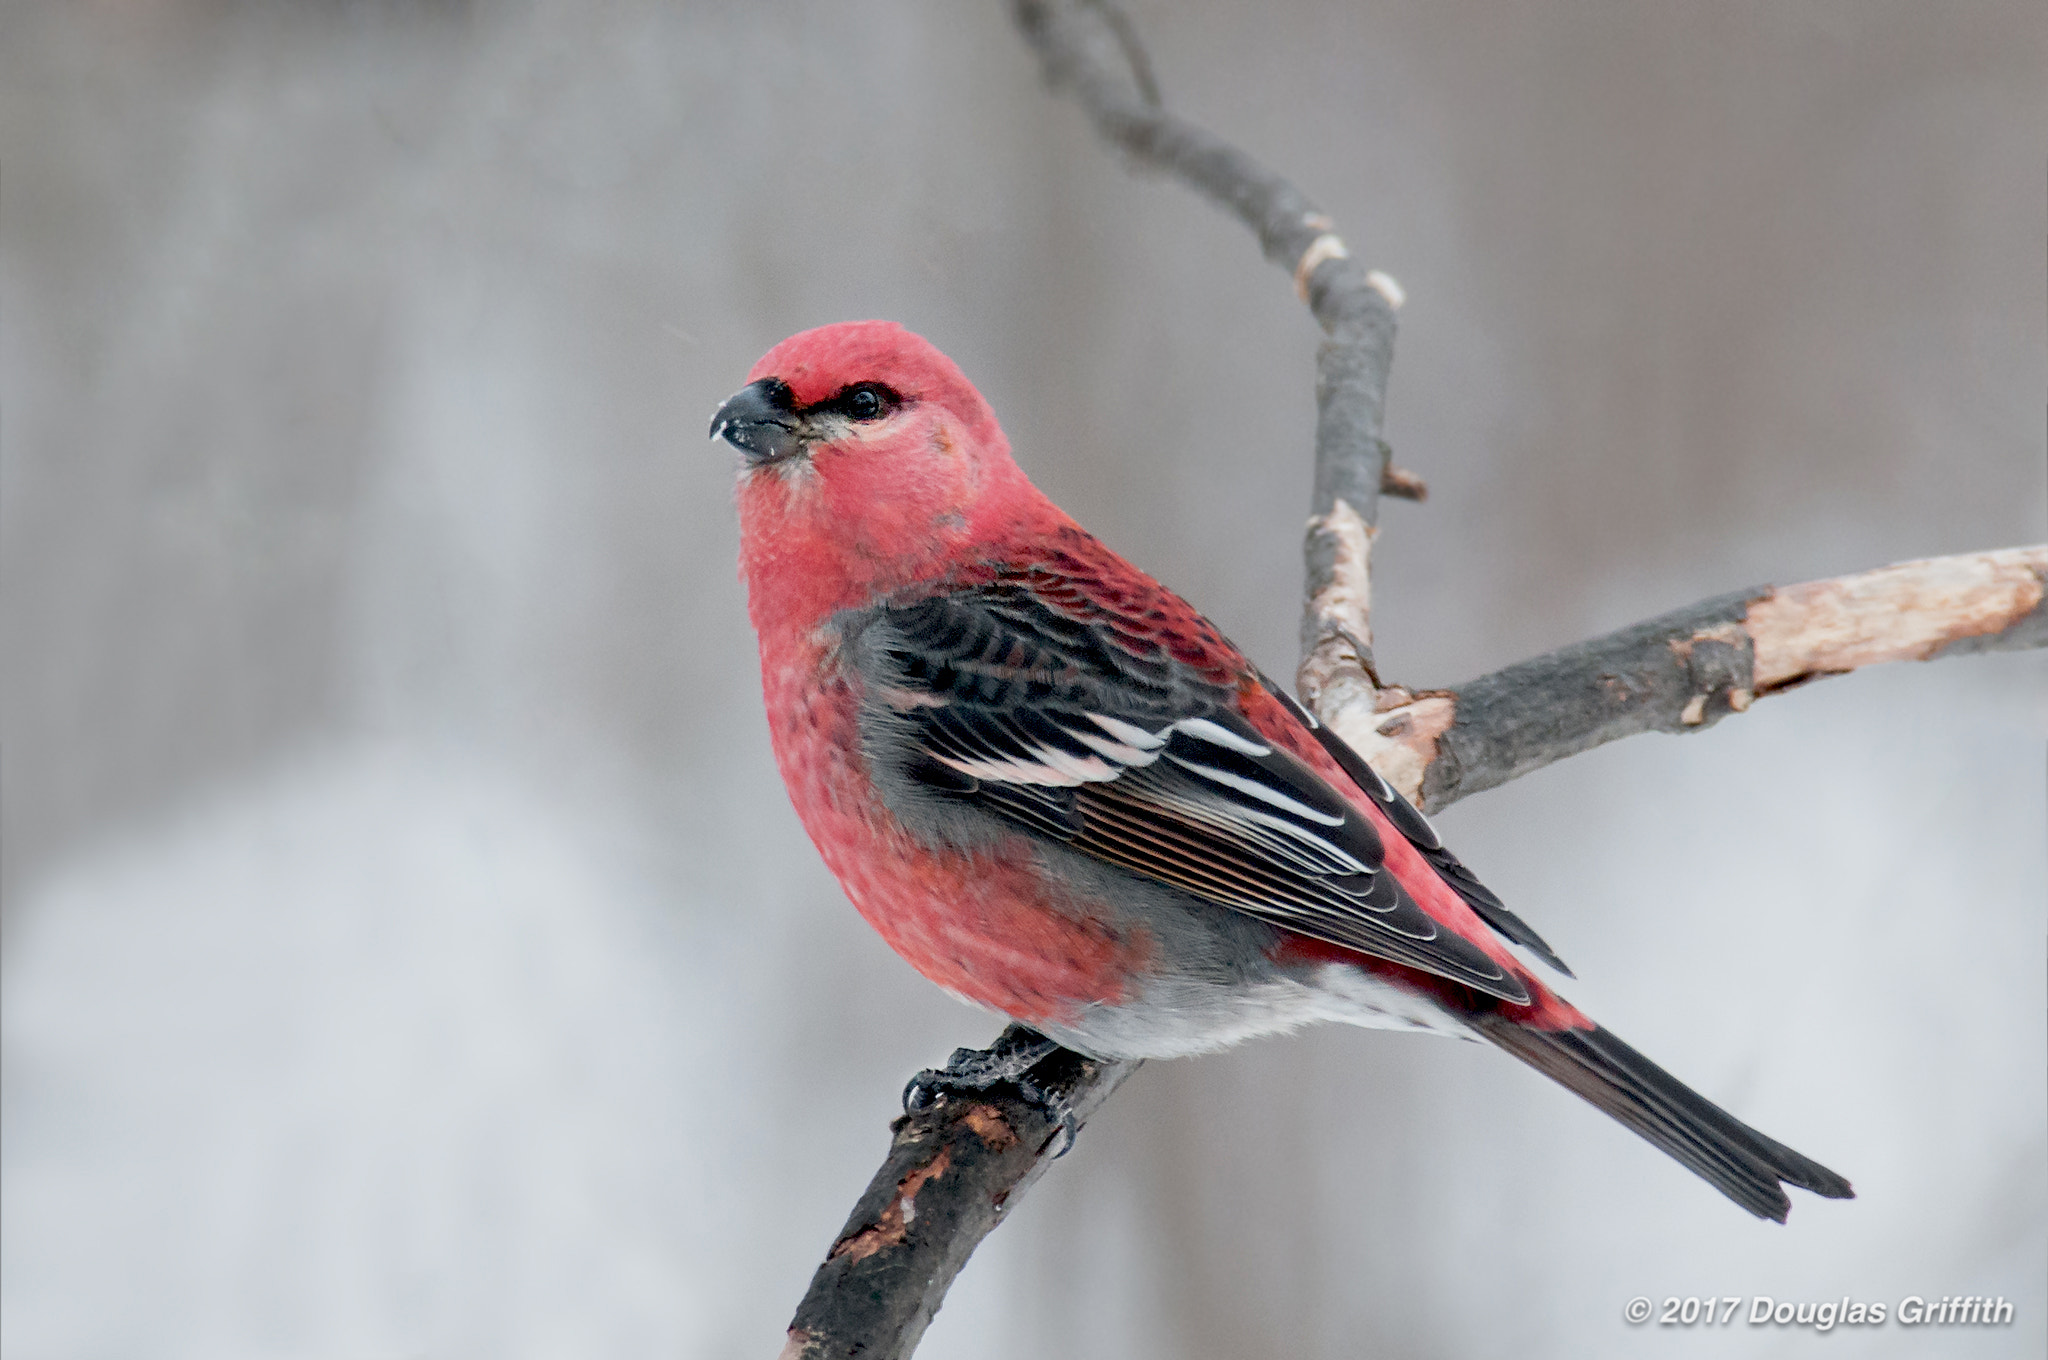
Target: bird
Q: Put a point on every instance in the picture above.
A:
(1060, 793)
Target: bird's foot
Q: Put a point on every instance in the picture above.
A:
(1009, 1061)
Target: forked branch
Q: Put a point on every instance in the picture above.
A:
(956, 1167)
(1686, 670)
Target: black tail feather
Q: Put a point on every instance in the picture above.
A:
(1731, 1156)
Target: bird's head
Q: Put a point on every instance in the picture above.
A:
(868, 464)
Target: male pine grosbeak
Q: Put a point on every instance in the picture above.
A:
(1059, 792)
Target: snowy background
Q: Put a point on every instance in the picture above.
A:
(408, 947)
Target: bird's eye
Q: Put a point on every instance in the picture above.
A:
(869, 401)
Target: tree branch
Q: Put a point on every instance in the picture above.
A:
(1087, 48)
(957, 1167)
(954, 1169)
(1686, 670)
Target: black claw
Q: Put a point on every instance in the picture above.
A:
(1009, 1061)
(1057, 1108)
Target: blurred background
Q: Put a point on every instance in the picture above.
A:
(408, 947)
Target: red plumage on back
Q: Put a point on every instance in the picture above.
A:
(1059, 792)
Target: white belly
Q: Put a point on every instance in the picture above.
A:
(1183, 1016)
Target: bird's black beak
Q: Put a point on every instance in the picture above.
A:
(761, 421)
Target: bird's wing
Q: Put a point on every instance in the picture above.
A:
(1421, 835)
(1070, 730)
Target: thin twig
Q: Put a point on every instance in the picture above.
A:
(953, 1170)
(956, 1168)
(1354, 306)
(1135, 56)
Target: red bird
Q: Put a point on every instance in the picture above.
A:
(1060, 793)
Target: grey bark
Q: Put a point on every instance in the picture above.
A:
(1575, 698)
(955, 1169)
(878, 1304)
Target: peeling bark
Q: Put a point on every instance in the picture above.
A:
(1336, 623)
(1913, 611)
(1397, 733)
(885, 1277)
(1688, 669)
(955, 1169)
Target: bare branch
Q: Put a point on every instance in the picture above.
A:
(1354, 306)
(1688, 669)
(956, 1168)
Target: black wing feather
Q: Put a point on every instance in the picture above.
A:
(1030, 714)
(1413, 825)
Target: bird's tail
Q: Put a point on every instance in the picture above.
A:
(1731, 1156)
